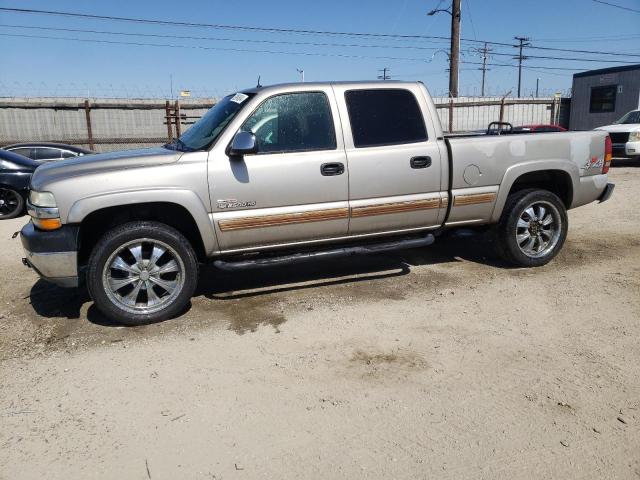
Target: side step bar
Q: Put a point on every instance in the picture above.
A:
(325, 254)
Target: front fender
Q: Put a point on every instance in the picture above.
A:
(514, 172)
(185, 198)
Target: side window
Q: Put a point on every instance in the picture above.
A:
(25, 152)
(294, 122)
(384, 117)
(46, 153)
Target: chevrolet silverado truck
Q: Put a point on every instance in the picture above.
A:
(625, 135)
(294, 173)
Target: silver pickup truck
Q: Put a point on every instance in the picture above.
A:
(293, 173)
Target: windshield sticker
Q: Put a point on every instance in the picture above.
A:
(239, 98)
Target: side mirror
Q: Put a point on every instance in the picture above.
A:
(243, 143)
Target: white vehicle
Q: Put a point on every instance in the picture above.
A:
(625, 134)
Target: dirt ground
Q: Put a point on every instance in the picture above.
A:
(433, 363)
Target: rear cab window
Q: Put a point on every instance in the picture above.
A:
(381, 117)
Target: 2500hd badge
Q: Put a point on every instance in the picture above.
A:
(231, 203)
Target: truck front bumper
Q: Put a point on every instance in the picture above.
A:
(53, 254)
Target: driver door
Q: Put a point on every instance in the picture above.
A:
(295, 188)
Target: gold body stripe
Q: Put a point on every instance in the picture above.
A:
(395, 207)
(474, 198)
(283, 219)
(280, 219)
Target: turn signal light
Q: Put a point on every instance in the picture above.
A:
(608, 154)
(47, 223)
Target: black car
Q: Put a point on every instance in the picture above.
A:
(15, 175)
(46, 152)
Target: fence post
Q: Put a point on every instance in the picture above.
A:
(451, 115)
(502, 109)
(87, 114)
(555, 108)
(177, 113)
(167, 116)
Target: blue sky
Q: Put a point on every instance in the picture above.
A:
(37, 66)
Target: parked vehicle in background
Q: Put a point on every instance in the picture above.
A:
(541, 128)
(625, 134)
(292, 173)
(43, 152)
(505, 128)
(15, 174)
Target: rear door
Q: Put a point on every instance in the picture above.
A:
(295, 188)
(394, 158)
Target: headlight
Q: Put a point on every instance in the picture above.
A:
(42, 199)
(43, 210)
(634, 137)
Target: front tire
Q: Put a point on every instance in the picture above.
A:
(532, 228)
(142, 272)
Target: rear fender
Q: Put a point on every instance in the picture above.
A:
(514, 172)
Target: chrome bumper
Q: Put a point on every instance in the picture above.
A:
(59, 268)
(53, 255)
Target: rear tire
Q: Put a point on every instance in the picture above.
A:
(532, 228)
(11, 204)
(142, 272)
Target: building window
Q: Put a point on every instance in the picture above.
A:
(603, 99)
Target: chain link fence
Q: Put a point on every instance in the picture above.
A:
(117, 124)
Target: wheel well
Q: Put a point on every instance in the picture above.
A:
(97, 223)
(555, 181)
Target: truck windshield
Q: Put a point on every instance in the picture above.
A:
(209, 127)
(631, 117)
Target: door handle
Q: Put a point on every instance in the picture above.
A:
(331, 169)
(420, 162)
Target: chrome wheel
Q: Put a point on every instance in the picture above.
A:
(10, 201)
(143, 276)
(538, 229)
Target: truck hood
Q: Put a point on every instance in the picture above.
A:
(626, 127)
(101, 162)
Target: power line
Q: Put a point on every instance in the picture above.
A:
(241, 40)
(617, 6)
(571, 59)
(278, 42)
(200, 47)
(174, 23)
(541, 67)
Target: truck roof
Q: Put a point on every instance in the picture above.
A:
(357, 83)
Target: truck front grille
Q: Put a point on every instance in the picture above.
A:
(619, 137)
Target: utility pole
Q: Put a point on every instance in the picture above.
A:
(485, 55)
(454, 55)
(301, 72)
(537, 86)
(385, 73)
(523, 43)
(455, 48)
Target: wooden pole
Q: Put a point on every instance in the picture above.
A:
(177, 113)
(167, 116)
(87, 114)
